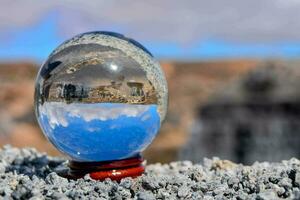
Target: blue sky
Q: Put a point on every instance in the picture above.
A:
(198, 30)
(101, 131)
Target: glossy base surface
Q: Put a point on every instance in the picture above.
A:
(115, 170)
(118, 174)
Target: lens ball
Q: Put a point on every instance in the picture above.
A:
(100, 96)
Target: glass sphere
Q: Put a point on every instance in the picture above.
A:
(100, 96)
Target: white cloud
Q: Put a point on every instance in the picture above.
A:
(146, 117)
(94, 129)
(176, 21)
(59, 112)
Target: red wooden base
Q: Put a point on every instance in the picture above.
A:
(115, 170)
(118, 174)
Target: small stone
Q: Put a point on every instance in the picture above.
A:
(233, 181)
(223, 165)
(285, 182)
(126, 183)
(149, 183)
(266, 195)
(297, 178)
(208, 198)
(54, 179)
(183, 191)
(146, 196)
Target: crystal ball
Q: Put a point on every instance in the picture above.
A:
(100, 96)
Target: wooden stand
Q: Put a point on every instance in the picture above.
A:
(115, 170)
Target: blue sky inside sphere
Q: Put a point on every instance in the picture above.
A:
(178, 30)
(99, 131)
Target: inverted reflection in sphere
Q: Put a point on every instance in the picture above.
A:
(100, 96)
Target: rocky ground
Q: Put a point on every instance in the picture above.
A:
(26, 173)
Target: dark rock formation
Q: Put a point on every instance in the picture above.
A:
(254, 118)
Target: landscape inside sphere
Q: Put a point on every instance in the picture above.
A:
(100, 96)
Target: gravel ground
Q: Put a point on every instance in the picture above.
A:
(26, 173)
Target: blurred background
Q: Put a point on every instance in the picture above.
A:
(232, 69)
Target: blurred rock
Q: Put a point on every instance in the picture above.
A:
(190, 84)
(254, 118)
